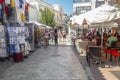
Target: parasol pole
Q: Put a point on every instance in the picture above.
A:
(102, 35)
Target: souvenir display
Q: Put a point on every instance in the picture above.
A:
(31, 38)
(16, 37)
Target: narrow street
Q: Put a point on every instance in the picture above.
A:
(52, 63)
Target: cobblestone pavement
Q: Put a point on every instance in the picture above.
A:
(52, 63)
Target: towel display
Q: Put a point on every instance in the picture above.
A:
(16, 37)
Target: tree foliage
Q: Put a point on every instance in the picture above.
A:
(47, 17)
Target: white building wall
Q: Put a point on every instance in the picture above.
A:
(33, 14)
(92, 4)
(58, 8)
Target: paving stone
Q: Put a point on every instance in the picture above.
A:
(52, 63)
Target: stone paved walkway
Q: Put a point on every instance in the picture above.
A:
(52, 63)
(99, 73)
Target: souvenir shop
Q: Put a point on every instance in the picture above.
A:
(41, 31)
(31, 38)
(17, 39)
(39, 34)
(6, 12)
(36, 33)
(14, 35)
(18, 36)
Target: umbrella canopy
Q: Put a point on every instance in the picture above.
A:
(73, 19)
(39, 25)
(98, 15)
(101, 16)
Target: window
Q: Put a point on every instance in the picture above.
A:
(99, 3)
(78, 1)
(83, 9)
(87, 0)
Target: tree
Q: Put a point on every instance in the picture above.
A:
(47, 17)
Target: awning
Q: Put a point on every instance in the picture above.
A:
(104, 13)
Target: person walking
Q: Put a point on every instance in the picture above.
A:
(55, 37)
(64, 35)
(59, 36)
(46, 37)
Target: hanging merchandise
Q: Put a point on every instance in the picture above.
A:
(2, 1)
(26, 12)
(26, 7)
(6, 10)
(12, 3)
(7, 1)
(26, 16)
(31, 38)
(11, 14)
(3, 52)
(17, 3)
(23, 17)
(18, 12)
(21, 3)
(12, 48)
(20, 15)
(27, 44)
(27, 48)
(16, 36)
(1, 13)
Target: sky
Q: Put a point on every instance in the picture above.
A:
(66, 4)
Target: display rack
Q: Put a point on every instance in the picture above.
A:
(3, 52)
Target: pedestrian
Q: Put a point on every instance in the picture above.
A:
(59, 36)
(64, 35)
(73, 38)
(55, 37)
(46, 37)
(52, 35)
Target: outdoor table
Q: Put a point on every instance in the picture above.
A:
(94, 52)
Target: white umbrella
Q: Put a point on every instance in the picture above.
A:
(99, 15)
(73, 19)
